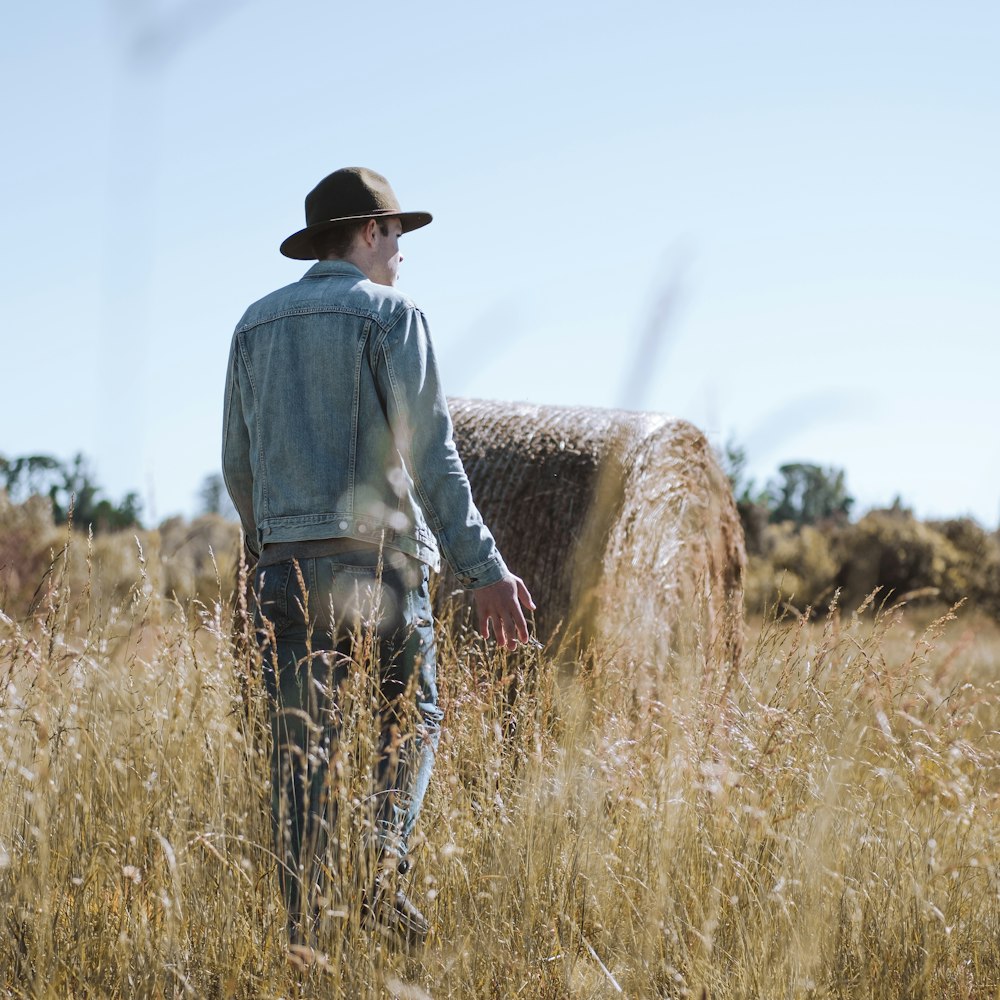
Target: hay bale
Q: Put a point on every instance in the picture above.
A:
(622, 524)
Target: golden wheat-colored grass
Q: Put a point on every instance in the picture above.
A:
(821, 821)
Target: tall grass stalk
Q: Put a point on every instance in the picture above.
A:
(819, 820)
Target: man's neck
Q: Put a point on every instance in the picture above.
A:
(353, 258)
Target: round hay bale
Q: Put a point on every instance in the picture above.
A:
(622, 524)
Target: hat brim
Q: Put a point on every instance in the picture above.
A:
(299, 246)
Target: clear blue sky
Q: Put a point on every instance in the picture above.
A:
(812, 187)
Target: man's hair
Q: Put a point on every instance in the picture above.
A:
(338, 240)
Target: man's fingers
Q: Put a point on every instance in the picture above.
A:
(499, 633)
(523, 595)
(492, 622)
(518, 626)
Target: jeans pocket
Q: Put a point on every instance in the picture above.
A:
(271, 587)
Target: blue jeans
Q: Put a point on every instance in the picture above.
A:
(308, 641)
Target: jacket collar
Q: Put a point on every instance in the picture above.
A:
(323, 268)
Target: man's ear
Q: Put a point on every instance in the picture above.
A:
(369, 232)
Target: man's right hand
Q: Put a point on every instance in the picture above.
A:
(498, 606)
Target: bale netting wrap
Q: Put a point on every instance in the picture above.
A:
(622, 524)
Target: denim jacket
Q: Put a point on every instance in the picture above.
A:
(336, 426)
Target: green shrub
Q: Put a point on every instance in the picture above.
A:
(793, 564)
(978, 559)
(891, 549)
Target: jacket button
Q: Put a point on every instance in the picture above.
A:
(362, 529)
(342, 526)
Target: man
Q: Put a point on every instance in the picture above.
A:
(339, 457)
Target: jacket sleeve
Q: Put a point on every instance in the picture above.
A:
(236, 469)
(422, 430)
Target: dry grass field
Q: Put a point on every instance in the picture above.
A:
(819, 820)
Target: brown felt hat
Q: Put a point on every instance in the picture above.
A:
(348, 193)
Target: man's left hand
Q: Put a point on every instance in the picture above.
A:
(498, 607)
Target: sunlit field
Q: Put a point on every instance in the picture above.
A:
(820, 819)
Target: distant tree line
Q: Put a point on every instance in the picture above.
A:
(802, 493)
(804, 549)
(71, 489)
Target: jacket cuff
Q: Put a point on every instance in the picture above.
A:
(482, 575)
